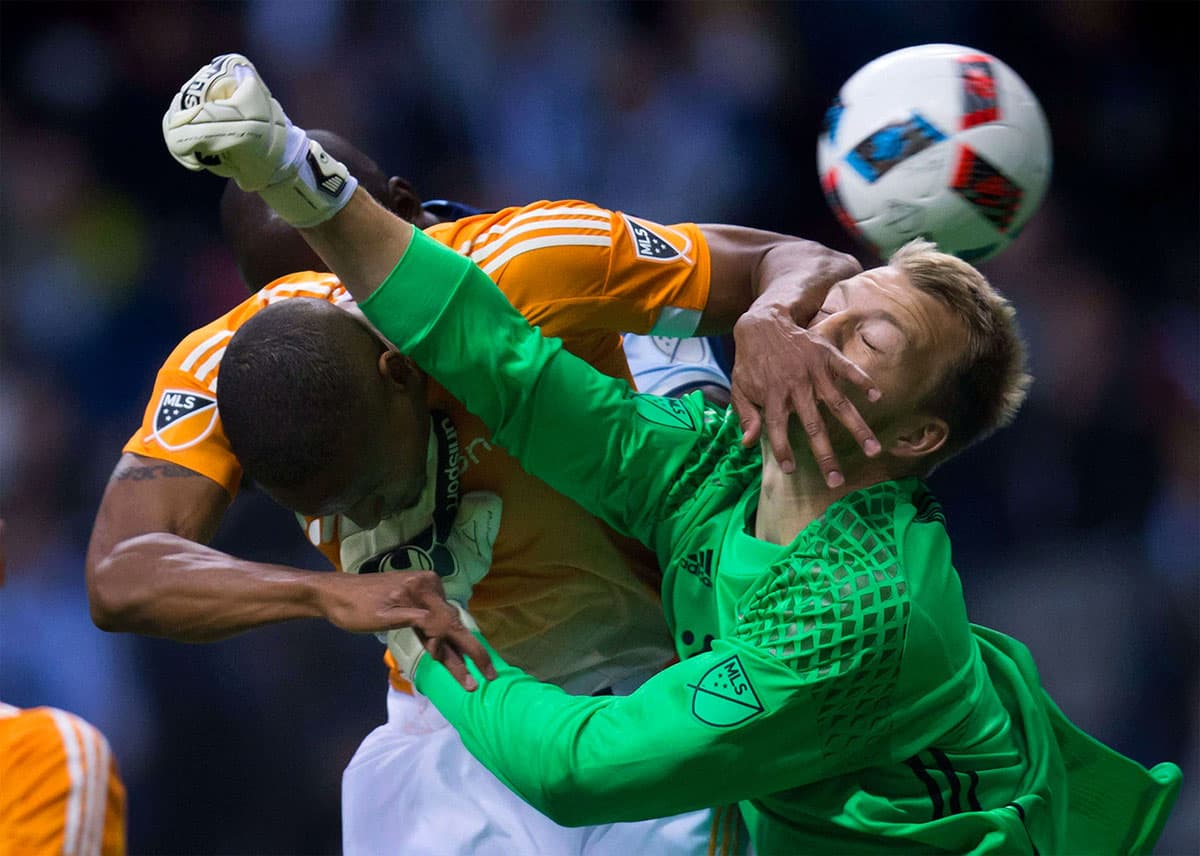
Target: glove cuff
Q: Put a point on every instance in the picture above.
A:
(406, 648)
(312, 186)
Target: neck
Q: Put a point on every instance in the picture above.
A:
(789, 502)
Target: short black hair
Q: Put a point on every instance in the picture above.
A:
(292, 388)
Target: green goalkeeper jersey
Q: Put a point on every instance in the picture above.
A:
(832, 687)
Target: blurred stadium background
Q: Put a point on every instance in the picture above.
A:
(1077, 530)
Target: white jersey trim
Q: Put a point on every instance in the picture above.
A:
(209, 364)
(277, 293)
(203, 349)
(483, 237)
(483, 252)
(532, 244)
(88, 760)
(75, 775)
(92, 795)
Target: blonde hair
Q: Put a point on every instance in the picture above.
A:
(983, 389)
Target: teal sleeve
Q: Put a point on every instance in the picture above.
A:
(724, 726)
(587, 435)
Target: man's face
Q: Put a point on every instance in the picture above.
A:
(379, 469)
(903, 338)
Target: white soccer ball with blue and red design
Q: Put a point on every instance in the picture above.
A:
(939, 141)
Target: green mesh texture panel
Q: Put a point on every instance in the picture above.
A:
(836, 612)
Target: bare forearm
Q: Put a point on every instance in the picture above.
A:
(361, 243)
(754, 270)
(794, 277)
(149, 572)
(164, 585)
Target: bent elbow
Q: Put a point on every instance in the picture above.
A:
(102, 602)
(568, 803)
(114, 588)
(570, 812)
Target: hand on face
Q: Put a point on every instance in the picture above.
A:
(875, 322)
(783, 368)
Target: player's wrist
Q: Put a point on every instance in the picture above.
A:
(310, 187)
(322, 593)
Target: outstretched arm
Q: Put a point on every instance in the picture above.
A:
(707, 731)
(224, 120)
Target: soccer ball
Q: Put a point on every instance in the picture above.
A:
(941, 141)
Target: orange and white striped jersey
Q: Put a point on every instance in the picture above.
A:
(566, 596)
(60, 792)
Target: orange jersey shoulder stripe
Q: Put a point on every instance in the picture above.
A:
(577, 269)
(60, 791)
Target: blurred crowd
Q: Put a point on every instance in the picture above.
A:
(1076, 530)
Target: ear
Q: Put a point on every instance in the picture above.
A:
(401, 371)
(920, 439)
(403, 200)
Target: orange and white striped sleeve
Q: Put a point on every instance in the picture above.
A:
(572, 267)
(60, 790)
(180, 423)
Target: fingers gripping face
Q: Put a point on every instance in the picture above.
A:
(782, 369)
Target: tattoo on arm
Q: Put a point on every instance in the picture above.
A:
(163, 470)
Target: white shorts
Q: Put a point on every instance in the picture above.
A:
(413, 788)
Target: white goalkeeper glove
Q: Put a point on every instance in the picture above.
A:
(460, 553)
(224, 120)
(461, 557)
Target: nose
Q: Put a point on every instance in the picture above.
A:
(832, 327)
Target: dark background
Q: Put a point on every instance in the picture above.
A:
(1077, 530)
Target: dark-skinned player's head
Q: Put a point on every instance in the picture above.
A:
(266, 248)
(322, 414)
